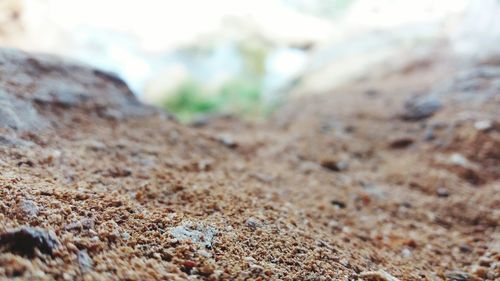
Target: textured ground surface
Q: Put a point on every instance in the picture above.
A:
(397, 176)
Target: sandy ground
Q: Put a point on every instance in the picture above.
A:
(346, 185)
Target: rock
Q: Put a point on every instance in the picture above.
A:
(464, 248)
(18, 114)
(198, 234)
(338, 204)
(380, 275)
(33, 85)
(28, 208)
(406, 253)
(228, 141)
(442, 192)
(24, 240)
(483, 125)
(402, 142)
(334, 165)
(253, 223)
(459, 160)
(417, 109)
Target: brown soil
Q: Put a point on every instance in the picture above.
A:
(338, 186)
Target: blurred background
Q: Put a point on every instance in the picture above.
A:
(197, 58)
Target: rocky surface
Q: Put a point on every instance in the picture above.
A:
(96, 186)
(36, 91)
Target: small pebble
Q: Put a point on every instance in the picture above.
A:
(420, 109)
(228, 141)
(483, 125)
(442, 192)
(28, 208)
(406, 253)
(464, 248)
(459, 159)
(338, 204)
(334, 165)
(253, 223)
(402, 142)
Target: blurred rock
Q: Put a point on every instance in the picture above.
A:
(33, 87)
(417, 109)
(401, 142)
(483, 125)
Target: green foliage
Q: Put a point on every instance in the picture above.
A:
(242, 95)
(239, 96)
(189, 100)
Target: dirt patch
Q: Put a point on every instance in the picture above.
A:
(332, 187)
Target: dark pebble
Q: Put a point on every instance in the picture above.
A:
(464, 248)
(24, 240)
(442, 192)
(333, 165)
(338, 203)
(401, 143)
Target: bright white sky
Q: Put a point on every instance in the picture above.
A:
(127, 35)
(162, 24)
